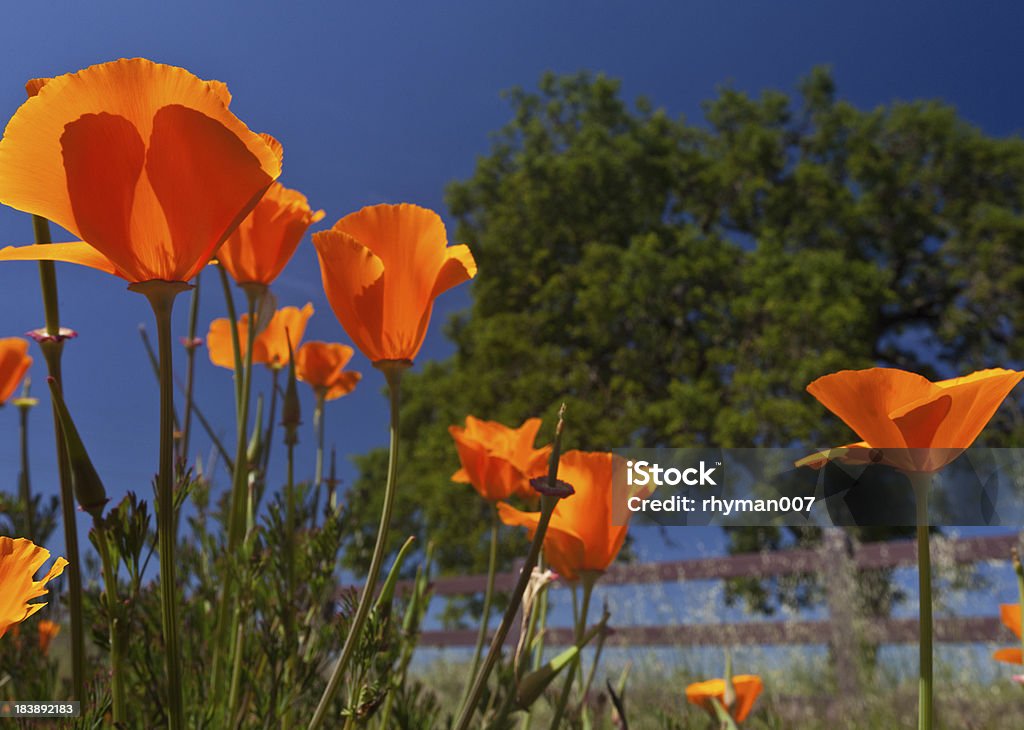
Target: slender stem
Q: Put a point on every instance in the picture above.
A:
(480, 681)
(195, 406)
(393, 372)
(269, 440)
(541, 624)
(581, 627)
(53, 349)
(116, 630)
(24, 481)
(289, 619)
(921, 483)
(47, 278)
(485, 616)
(318, 426)
(190, 360)
(161, 296)
(229, 302)
(227, 621)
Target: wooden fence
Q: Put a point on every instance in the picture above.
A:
(837, 559)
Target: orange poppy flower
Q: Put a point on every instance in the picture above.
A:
(747, 687)
(263, 243)
(497, 460)
(48, 631)
(580, 536)
(140, 160)
(19, 561)
(905, 419)
(382, 268)
(322, 365)
(14, 363)
(270, 347)
(1010, 615)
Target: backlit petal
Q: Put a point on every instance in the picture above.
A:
(76, 252)
(864, 398)
(353, 282)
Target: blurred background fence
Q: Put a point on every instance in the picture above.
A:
(838, 560)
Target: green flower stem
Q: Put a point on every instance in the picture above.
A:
(921, 483)
(195, 406)
(24, 481)
(547, 507)
(190, 360)
(535, 635)
(318, 426)
(116, 629)
(227, 621)
(594, 665)
(541, 623)
(269, 440)
(161, 296)
(47, 278)
(229, 302)
(53, 349)
(588, 579)
(485, 616)
(392, 370)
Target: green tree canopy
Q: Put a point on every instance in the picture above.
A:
(681, 283)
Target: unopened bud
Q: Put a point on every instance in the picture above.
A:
(85, 480)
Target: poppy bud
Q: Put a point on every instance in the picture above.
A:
(86, 482)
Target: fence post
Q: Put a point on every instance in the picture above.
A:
(839, 573)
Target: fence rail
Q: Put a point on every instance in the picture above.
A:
(837, 557)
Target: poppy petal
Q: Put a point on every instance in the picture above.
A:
(459, 266)
(1010, 615)
(859, 396)
(1009, 656)
(207, 181)
(919, 424)
(76, 252)
(103, 159)
(353, 279)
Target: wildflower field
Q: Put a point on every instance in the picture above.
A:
(414, 475)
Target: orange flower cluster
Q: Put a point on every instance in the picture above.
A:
(746, 686)
(497, 460)
(270, 347)
(19, 561)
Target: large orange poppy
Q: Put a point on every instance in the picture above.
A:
(905, 419)
(322, 366)
(746, 686)
(580, 536)
(140, 160)
(382, 268)
(14, 363)
(19, 561)
(258, 250)
(1010, 615)
(270, 347)
(497, 460)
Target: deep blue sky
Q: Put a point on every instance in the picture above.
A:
(387, 102)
